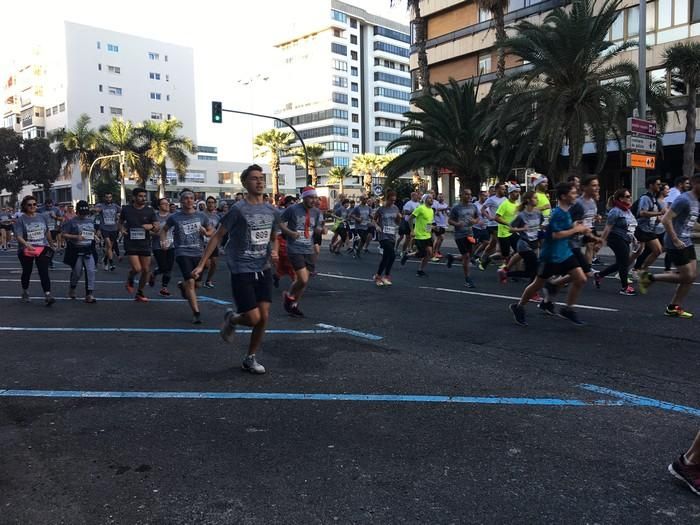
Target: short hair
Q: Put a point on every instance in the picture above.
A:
(163, 199)
(137, 191)
(246, 172)
(573, 177)
(588, 179)
(679, 180)
(619, 193)
(211, 198)
(390, 193)
(185, 190)
(651, 180)
(106, 193)
(25, 200)
(563, 188)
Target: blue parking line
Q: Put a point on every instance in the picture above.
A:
(642, 401)
(283, 396)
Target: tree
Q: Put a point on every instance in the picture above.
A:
(420, 27)
(271, 145)
(337, 175)
(567, 95)
(10, 144)
(77, 146)
(117, 136)
(314, 153)
(497, 8)
(682, 60)
(37, 164)
(366, 165)
(162, 144)
(447, 131)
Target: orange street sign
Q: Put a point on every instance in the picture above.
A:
(637, 160)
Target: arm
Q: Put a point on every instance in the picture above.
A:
(212, 245)
(578, 228)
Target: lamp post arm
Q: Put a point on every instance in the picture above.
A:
(89, 181)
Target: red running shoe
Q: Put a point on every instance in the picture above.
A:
(688, 474)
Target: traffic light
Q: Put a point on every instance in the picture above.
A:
(216, 111)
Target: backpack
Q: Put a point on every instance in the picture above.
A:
(635, 205)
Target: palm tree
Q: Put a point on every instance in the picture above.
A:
(162, 144)
(420, 25)
(271, 145)
(366, 165)
(337, 174)
(77, 145)
(314, 153)
(498, 11)
(117, 136)
(564, 96)
(682, 60)
(447, 131)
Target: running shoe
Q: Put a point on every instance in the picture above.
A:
(197, 318)
(435, 259)
(628, 291)
(518, 313)
(597, 279)
(596, 260)
(502, 275)
(25, 296)
(228, 329)
(674, 310)
(469, 283)
(106, 267)
(421, 273)
(378, 280)
(644, 281)
(634, 275)
(49, 299)
(152, 279)
(387, 280)
(450, 260)
(164, 292)
(72, 294)
(112, 267)
(295, 311)
(481, 265)
(140, 298)
(287, 302)
(250, 364)
(537, 298)
(547, 307)
(129, 286)
(90, 299)
(688, 474)
(570, 315)
(208, 284)
(404, 258)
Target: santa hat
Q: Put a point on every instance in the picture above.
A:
(309, 191)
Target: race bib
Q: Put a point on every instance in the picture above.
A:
(631, 227)
(389, 229)
(652, 221)
(690, 225)
(137, 234)
(88, 235)
(109, 221)
(429, 228)
(259, 237)
(35, 232)
(191, 228)
(303, 240)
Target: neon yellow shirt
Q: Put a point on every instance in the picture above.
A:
(507, 211)
(542, 201)
(423, 225)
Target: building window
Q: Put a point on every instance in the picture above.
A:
(338, 33)
(113, 48)
(169, 116)
(353, 55)
(340, 17)
(355, 148)
(99, 88)
(392, 93)
(393, 79)
(102, 109)
(353, 39)
(484, 63)
(154, 76)
(113, 90)
(341, 161)
(355, 103)
(166, 58)
(153, 56)
(355, 87)
(390, 108)
(380, 150)
(48, 112)
(156, 116)
(340, 98)
(484, 15)
(61, 107)
(695, 11)
(391, 48)
(116, 111)
(353, 23)
(155, 96)
(390, 33)
(99, 67)
(167, 78)
(340, 65)
(353, 71)
(385, 137)
(167, 97)
(356, 133)
(336, 113)
(114, 69)
(323, 131)
(335, 146)
(339, 49)
(340, 81)
(98, 45)
(355, 117)
(55, 109)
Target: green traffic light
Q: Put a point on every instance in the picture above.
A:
(216, 112)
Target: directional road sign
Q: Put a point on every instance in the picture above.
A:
(643, 127)
(636, 143)
(637, 160)
(378, 190)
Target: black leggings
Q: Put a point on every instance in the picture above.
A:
(530, 259)
(165, 259)
(621, 249)
(388, 256)
(42, 266)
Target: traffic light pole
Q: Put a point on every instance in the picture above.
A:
(303, 145)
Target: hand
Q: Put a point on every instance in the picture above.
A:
(275, 257)
(295, 235)
(81, 238)
(197, 272)
(678, 243)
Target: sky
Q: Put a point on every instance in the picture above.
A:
(232, 42)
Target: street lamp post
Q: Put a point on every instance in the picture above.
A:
(121, 156)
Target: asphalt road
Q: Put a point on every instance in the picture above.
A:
(422, 403)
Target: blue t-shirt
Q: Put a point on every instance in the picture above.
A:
(557, 250)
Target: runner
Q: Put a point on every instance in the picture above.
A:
(189, 226)
(556, 257)
(54, 216)
(687, 467)
(388, 217)
(618, 234)
(481, 233)
(5, 228)
(463, 217)
(488, 211)
(214, 217)
(34, 244)
(362, 215)
(282, 266)
(441, 211)
(541, 185)
(108, 221)
(679, 221)
(163, 252)
(505, 214)
(301, 221)
(340, 213)
(649, 230)
(251, 224)
(81, 253)
(318, 236)
(526, 226)
(138, 223)
(423, 217)
(405, 227)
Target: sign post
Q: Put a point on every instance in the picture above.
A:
(641, 151)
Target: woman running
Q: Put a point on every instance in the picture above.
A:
(527, 224)
(388, 218)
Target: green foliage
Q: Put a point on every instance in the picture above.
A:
(402, 187)
(37, 163)
(271, 145)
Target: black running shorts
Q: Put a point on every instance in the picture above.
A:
(681, 257)
(186, 265)
(249, 289)
(545, 270)
(300, 261)
(464, 245)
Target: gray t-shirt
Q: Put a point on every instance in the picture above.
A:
(33, 229)
(386, 217)
(648, 224)
(687, 209)
(295, 217)
(466, 214)
(251, 228)
(84, 226)
(155, 239)
(187, 237)
(214, 220)
(53, 215)
(623, 223)
(489, 208)
(364, 212)
(532, 220)
(108, 216)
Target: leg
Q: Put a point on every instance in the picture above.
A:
(654, 248)
(531, 290)
(167, 269)
(135, 267)
(27, 265)
(578, 279)
(75, 273)
(145, 264)
(42, 265)
(189, 287)
(90, 269)
(212, 269)
(301, 279)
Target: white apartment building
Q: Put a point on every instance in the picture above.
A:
(344, 80)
